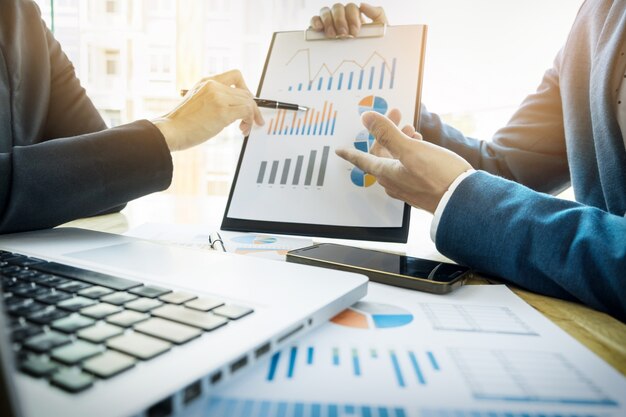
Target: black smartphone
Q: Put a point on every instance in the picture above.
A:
(384, 267)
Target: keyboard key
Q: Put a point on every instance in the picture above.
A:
(23, 331)
(177, 297)
(205, 321)
(127, 318)
(24, 261)
(38, 366)
(72, 380)
(149, 291)
(138, 345)
(46, 341)
(100, 310)
(233, 312)
(100, 332)
(76, 303)
(204, 303)
(108, 364)
(38, 277)
(72, 286)
(47, 316)
(72, 323)
(118, 298)
(24, 274)
(95, 278)
(95, 292)
(54, 297)
(54, 281)
(75, 352)
(25, 307)
(143, 305)
(31, 291)
(168, 330)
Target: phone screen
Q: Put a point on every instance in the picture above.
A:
(388, 262)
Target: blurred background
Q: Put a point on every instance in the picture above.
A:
(133, 57)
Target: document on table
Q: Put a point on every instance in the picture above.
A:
(480, 351)
(197, 236)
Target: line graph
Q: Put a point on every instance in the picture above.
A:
(376, 72)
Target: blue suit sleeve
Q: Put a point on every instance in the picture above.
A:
(530, 149)
(539, 242)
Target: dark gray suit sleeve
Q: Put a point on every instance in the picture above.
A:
(79, 168)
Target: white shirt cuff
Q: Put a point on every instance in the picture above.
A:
(444, 202)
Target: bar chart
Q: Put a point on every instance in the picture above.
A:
(404, 368)
(313, 122)
(374, 73)
(301, 174)
(235, 407)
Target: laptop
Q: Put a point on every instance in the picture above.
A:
(97, 324)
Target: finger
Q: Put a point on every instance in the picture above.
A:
(395, 116)
(316, 24)
(409, 131)
(367, 162)
(377, 14)
(339, 19)
(245, 128)
(387, 134)
(378, 150)
(258, 117)
(327, 20)
(232, 78)
(353, 16)
(241, 111)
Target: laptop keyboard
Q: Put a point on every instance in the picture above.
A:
(74, 326)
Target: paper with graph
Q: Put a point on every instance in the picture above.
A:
(289, 171)
(478, 352)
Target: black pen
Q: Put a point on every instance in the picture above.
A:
(270, 104)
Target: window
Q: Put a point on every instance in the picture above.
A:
(111, 59)
(111, 6)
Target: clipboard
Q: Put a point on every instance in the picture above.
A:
(288, 179)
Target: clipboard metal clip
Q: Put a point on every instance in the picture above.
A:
(370, 30)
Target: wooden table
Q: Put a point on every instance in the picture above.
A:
(600, 332)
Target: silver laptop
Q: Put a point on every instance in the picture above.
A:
(106, 325)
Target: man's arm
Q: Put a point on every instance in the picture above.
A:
(548, 245)
(79, 169)
(530, 149)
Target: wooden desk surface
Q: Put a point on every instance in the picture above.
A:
(600, 332)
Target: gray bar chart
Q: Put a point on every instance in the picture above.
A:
(311, 169)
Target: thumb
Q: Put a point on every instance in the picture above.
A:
(387, 134)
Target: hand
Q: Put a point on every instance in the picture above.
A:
(421, 172)
(210, 106)
(345, 21)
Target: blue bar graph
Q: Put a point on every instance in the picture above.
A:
(387, 69)
(433, 361)
(235, 407)
(396, 368)
(335, 356)
(292, 361)
(273, 365)
(355, 362)
(309, 356)
(416, 368)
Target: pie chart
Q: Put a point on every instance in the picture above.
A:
(366, 315)
(254, 239)
(363, 142)
(373, 103)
